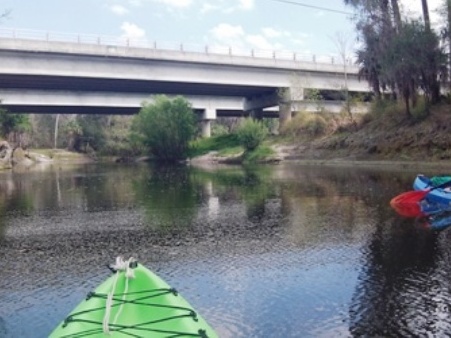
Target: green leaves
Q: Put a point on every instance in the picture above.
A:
(13, 123)
(251, 133)
(400, 56)
(166, 127)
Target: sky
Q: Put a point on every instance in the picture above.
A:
(310, 27)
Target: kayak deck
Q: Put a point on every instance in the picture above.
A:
(143, 306)
(441, 196)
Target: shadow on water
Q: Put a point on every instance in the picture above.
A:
(403, 286)
(298, 250)
(3, 331)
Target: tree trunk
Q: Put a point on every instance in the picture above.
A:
(396, 15)
(427, 20)
(432, 78)
(406, 101)
(448, 8)
(385, 9)
(56, 130)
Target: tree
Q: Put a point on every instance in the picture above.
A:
(445, 35)
(376, 30)
(14, 126)
(448, 34)
(55, 135)
(427, 20)
(342, 43)
(73, 132)
(396, 14)
(165, 127)
(411, 61)
(432, 67)
(93, 128)
(402, 57)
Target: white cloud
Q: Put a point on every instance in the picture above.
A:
(228, 6)
(132, 31)
(234, 36)
(271, 32)
(227, 31)
(259, 42)
(176, 3)
(118, 9)
(207, 7)
(246, 4)
(136, 3)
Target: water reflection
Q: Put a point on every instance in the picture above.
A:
(293, 250)
(394, 296)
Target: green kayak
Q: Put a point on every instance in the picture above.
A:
(133, 302)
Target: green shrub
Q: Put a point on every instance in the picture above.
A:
(251, 133)
(166, 127)
(223, 144)
(218, 129)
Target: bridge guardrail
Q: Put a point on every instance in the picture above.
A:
(24, 34)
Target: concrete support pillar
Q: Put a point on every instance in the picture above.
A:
(284, 113)
(208, 115)
(206, 128)
(285, 108)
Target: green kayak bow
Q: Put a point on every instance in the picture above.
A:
(133, 302)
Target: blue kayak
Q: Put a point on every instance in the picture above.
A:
(440, 221)
(441, 196)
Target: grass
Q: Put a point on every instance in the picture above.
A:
(223, 144)
(258, 154)
(229, 145)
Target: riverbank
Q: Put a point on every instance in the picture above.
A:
(388, 139)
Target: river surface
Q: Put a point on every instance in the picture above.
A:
(274, 251)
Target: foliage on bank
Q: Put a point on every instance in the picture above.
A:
(251, 133)
(305, 124)
(13, 127)
(165, 127)
(223, 144)
(399, 55)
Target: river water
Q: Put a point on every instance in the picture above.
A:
(273, 251)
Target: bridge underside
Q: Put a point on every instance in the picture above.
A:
(87, 84)
(111, 103)
(49, 109)
(19, 109)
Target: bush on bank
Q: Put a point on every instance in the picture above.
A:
(225, 143)
(310, 124)
(165, 127)
(251, 133)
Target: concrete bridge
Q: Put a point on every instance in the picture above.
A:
(39, 74)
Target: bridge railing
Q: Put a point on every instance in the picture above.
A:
(27, 34)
